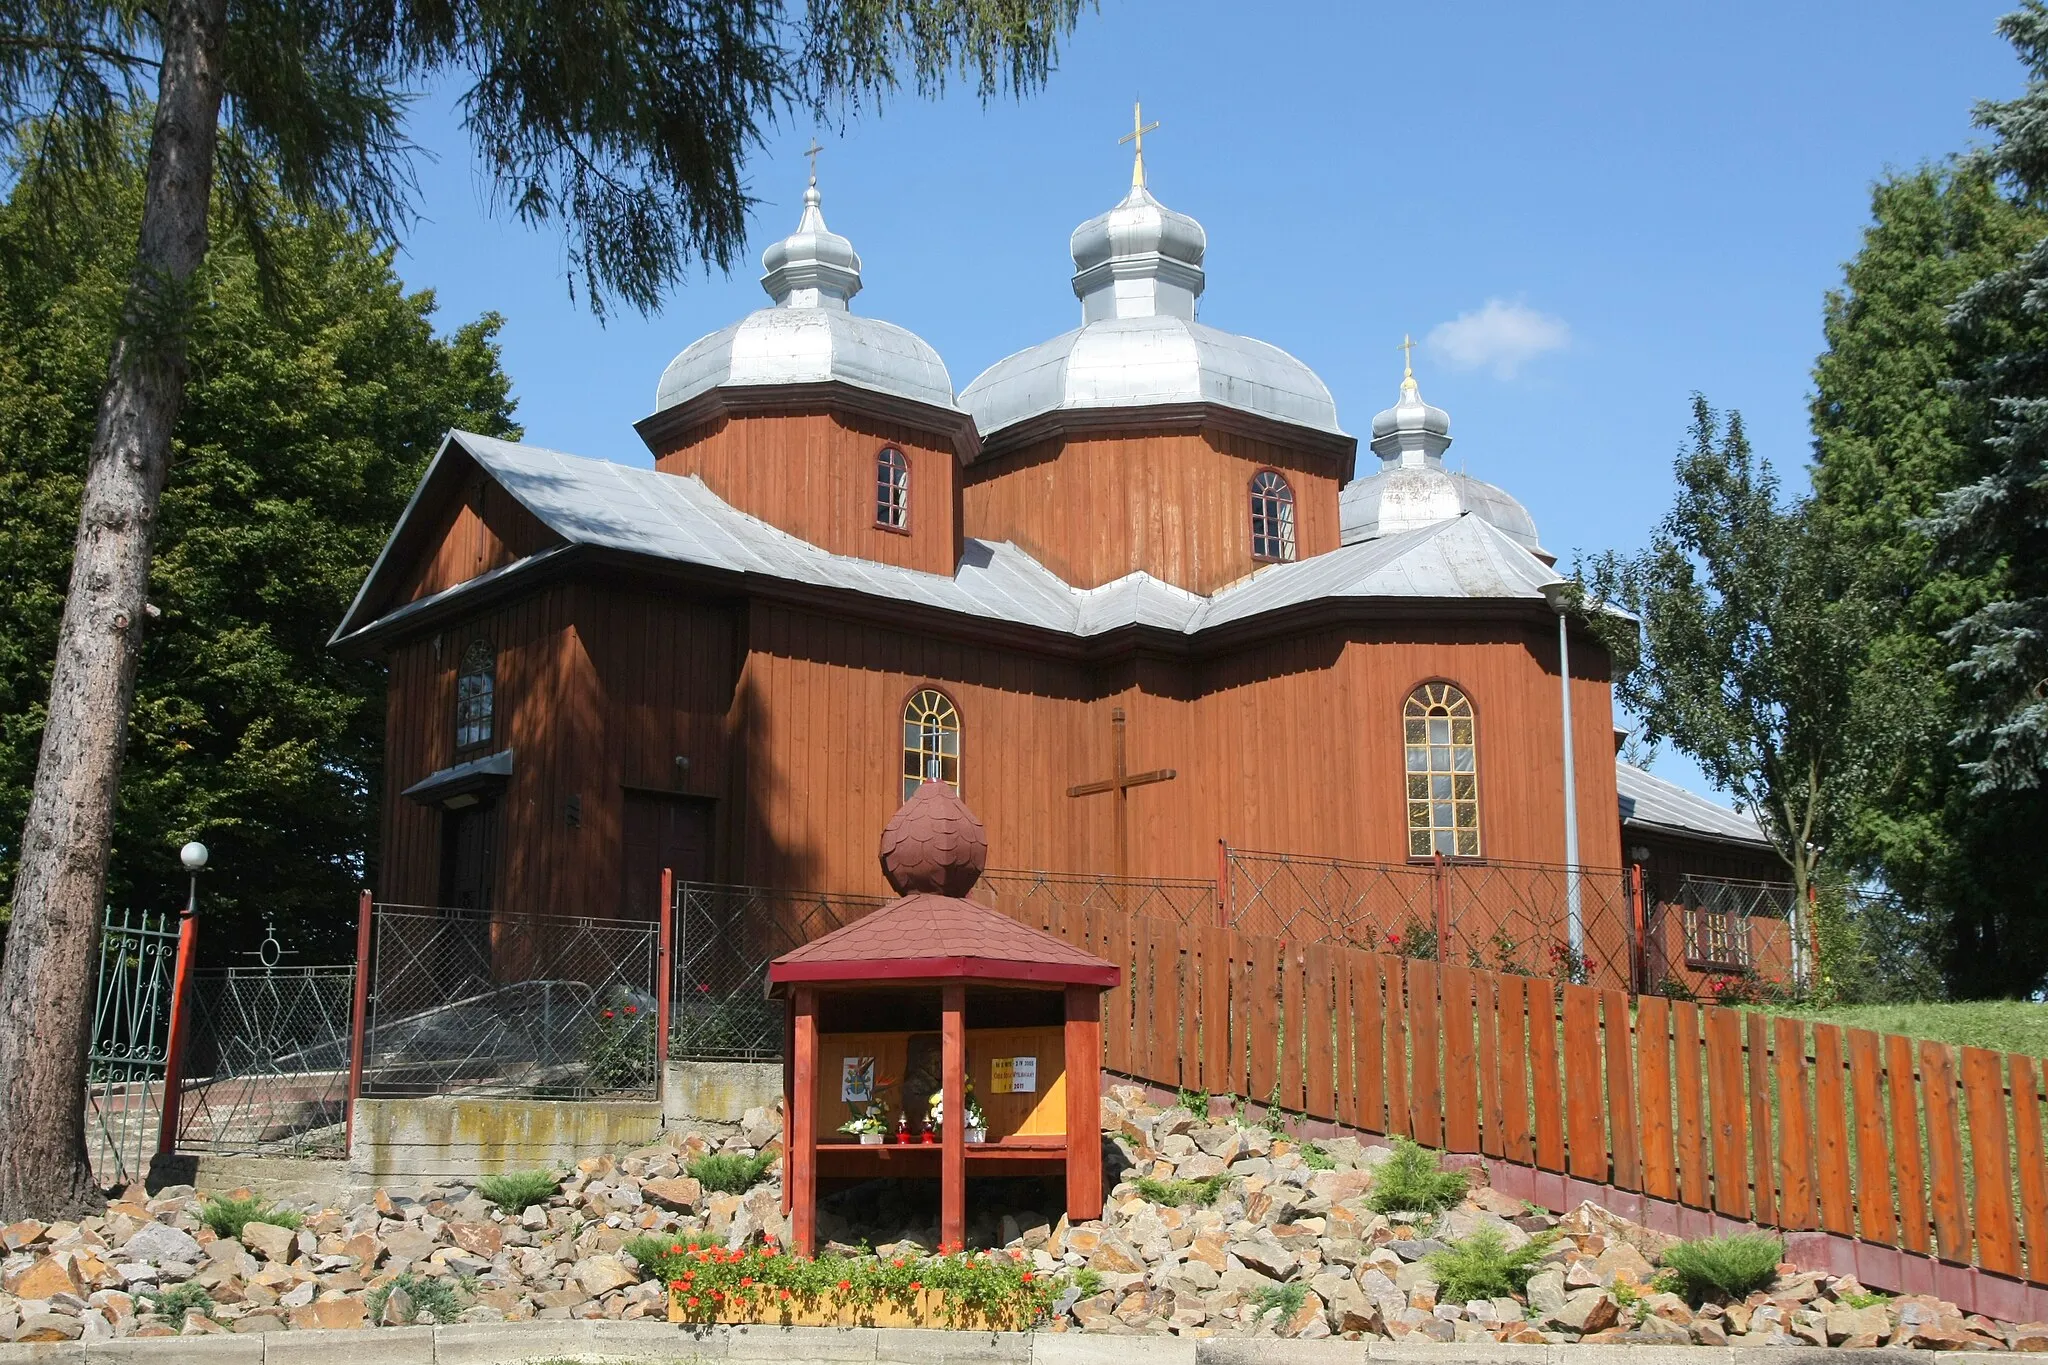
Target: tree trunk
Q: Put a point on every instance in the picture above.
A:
(46, 985)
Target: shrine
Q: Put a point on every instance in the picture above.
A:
(938, 1039)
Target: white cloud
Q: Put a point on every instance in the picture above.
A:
(1501, 337)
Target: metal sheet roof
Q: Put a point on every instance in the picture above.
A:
(1647, 799)
(665, 516)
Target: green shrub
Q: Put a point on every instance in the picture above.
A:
(1288, 1297)
(618, 1047)
(1196, 1102)
(517, 1191)
(649, 1250)
(1177, 1193)
(178, 1300)
(429, 1294)
(729, 1172)
(1410, 1181)
(1732, 1267)
(1482, 1267)
(227, 1215)
(1089, 1281)
(1317, 1159)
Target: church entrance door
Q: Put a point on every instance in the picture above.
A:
(661, 831)
(469, 856)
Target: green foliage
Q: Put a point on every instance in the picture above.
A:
(1179, 1193)
(1750, 635)
(1316, 1159)
(651, 1250)
(1196, 1102)
(302, 434)
(1412, 1181)
(1088, 1281)
(985, 1287)
(430, 1295)
(1731, 1267)
(2019, 1026)
(730, 1172)
(1417, 940)
(1482, 1267)
(227, 1215)
(1869, 1298)
(178, 1300)
(1288, 1298)
(618, 1047)
(517, 1191)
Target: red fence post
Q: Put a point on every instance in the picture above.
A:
(174, 1045)
(1223, 883)
(664, 974)
(1638, 959)
(358, 1014)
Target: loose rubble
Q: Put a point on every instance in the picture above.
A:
(1285, 1250)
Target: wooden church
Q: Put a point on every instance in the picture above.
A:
(1128, 592)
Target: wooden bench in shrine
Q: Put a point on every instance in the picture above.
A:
(936, 994)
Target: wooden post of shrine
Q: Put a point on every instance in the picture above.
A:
(800, 1160)
(1084, 1103)
(953, 1133)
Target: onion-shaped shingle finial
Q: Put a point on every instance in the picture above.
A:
(934, 844)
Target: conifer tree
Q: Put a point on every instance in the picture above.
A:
(627, 123)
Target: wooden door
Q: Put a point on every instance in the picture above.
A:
(661, 831)
(469, 856)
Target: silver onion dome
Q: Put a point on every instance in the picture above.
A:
(1138, 273)
(1411, 488)
(809, 336)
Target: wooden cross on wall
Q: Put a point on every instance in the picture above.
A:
(1120, 785)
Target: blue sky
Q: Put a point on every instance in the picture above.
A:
(1582, 212)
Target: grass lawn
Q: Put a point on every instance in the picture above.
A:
(2002, 1025)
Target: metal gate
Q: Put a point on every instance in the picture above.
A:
(265, 1069)
(131, 1019)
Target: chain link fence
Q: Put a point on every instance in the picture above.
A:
(1502, 916)
(1030, 896)
(542, 1006)
(266, 1061)
(725, 937)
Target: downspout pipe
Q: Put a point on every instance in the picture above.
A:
(1575, 925)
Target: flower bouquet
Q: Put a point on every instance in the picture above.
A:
(977, 1121)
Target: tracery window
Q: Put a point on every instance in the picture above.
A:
(1443, 777)
(475, 695)
(931, 741)
(1272, 517)
(892, 489)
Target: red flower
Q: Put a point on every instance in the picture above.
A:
(676, 1250)
(845, 1285)
(1027, 1277)
(898, 1263)
(785, 1293)
(746, 1280)
(676, 1285)
(693, 1301)
(632, 1009)
(915, 1284)
(704, 988)
(607, 1014)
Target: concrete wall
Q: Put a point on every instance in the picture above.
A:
(404, 1143)
(706, 1094)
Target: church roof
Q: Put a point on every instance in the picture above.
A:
(809, 336)
(1648, 801)
(1138, 272)
(673, 518)
(925, 936)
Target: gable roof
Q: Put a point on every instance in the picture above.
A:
(675, 518)
(1650, 802)
(926, 936)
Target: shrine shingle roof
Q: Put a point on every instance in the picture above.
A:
(675, 518)
(930, 936)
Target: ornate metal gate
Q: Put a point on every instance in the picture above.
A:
(131, 1021)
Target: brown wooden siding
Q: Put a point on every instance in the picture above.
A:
(1174, 504)
(813, 475)
(486, 529)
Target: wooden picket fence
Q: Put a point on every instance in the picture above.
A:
(1896, 1143)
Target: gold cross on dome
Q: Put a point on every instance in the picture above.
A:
(812, 152)
(1137, 136)
(1407, 350)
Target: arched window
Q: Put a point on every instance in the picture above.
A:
(1443, 776)
(1272, 517)
(475, 695)
(892, 489)
(931, 741)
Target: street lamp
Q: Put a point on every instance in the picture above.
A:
(193, 856)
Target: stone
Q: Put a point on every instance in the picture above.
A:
(1708, 1332)
(1114, 1256)
(47, 1278)
(1589, 1310)
(598, 1275)
(398, 1309)
(161, 1242)
(270, 1241)
(261, 1322)
(1857, 1328)
(1621, 1262)
(478, 1239)
(1308, 1321)
(1095, 1313)
(1270, 1259)
(2028, 1336)
(47, 1326)
(298, 1296)
(26, 1233)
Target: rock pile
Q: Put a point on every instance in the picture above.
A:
(1285, 1248)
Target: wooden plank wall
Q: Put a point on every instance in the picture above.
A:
(1915, 1145)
